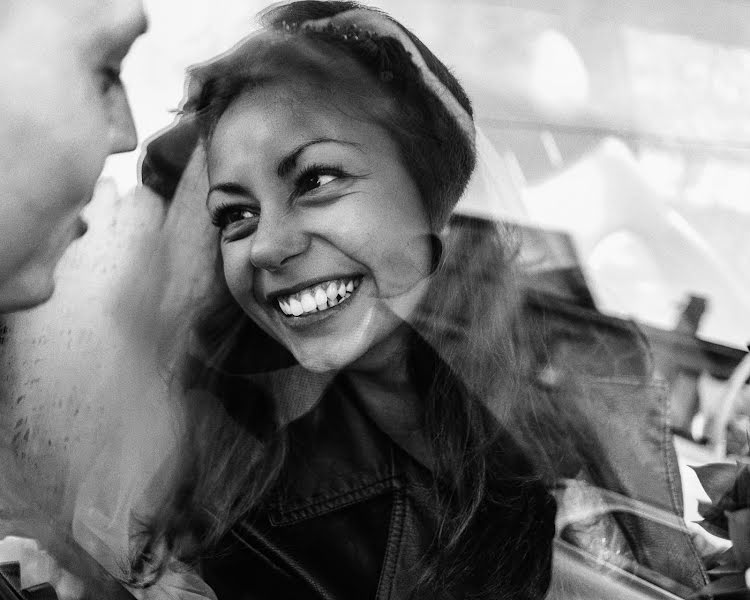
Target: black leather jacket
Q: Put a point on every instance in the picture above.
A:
(352, 518)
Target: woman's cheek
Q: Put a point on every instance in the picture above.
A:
(404, 265)
(404, 305)
(238, 278)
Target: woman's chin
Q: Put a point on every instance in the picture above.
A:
(323, 362)
(366, 341)
(331, 353)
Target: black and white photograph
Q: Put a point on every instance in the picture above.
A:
(384, 300)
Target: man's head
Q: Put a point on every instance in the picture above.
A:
(63, 111)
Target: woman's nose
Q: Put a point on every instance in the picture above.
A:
(276, 241)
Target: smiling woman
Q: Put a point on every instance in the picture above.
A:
(350, 386)
(315, 207)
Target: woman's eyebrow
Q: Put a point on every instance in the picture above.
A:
(233, 189)
(288, 163)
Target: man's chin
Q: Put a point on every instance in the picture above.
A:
(25, 297)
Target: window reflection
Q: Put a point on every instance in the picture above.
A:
(620, 145)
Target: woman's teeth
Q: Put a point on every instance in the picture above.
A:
(319, 297)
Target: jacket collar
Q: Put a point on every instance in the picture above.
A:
(337, 456)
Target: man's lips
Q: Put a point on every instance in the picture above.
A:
(81, 228)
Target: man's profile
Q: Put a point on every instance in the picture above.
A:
(64, 110)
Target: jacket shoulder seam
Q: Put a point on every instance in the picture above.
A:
(318, 506)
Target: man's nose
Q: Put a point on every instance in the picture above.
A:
(276, 241)
(123, 136)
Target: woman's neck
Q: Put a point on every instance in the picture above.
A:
(382, 379)
(390, 398)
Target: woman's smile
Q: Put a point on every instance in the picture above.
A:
(317, 298)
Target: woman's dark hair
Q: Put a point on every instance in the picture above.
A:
(373, 76)
(468, 359)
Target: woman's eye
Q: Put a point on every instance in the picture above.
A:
(308, 182)
(225, 217)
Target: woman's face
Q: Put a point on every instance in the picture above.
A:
(324, 238)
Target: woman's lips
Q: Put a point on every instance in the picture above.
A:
(319, 297)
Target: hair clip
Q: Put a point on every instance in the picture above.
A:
(349, 32)
(290, 27)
